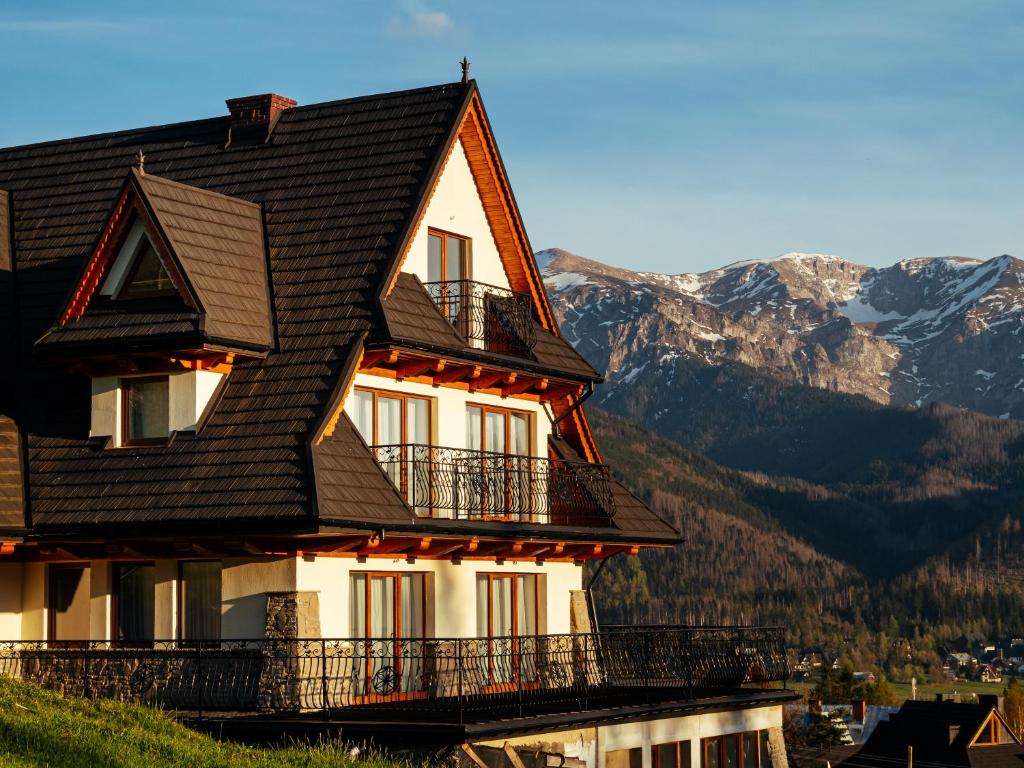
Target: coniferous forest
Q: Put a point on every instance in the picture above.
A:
(873, 534)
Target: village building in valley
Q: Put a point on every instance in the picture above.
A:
(289, 439)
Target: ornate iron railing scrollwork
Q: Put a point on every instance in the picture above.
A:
(442, 679)
(489, 317)
(462, 484)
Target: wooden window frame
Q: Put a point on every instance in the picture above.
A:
(133, 270)
(398, 598)
(656, 755)
(491, 577)
(124, 394)
(115, 604)
(530, 439)
(403, 396)
(397, 618)
(403, 459)
(494, 685)
(704, 743)
(179, 599)
(467, 253)
(507, 412)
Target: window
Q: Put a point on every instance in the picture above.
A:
(387, 605)
(497, 430)
(133, 602)
(624, 758)
(675, 754)
(145, 410)
(447, 257)
(68, 602)
(506, 604)
(146, 276)
(390, 418)
(499, 482)
(736, 750)
(388, 608)
(397, 423)
(200, 600)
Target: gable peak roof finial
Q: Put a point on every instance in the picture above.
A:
(465, 69)
(140, 163)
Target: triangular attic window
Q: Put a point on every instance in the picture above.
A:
(147, 276)
(137, 271)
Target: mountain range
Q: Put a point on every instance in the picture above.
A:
(926, 330)
(838, 444)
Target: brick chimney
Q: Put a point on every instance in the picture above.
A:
(253, 117)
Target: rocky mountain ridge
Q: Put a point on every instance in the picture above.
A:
(920, 331)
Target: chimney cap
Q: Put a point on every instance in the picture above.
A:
(256, 115)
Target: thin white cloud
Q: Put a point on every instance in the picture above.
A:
(68, 27)
(420, 22)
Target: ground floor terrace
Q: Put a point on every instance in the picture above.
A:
(369, 644)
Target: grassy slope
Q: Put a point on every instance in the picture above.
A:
(39, 728)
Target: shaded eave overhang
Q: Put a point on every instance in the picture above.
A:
(381, 728)
(157, 344)
(490, 359)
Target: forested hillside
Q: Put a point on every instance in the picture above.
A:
(812, 556)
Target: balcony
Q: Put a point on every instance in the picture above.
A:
(490, 318)
(451, 680)
(461, 484)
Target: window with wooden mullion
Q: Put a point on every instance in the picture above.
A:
(386, 608)
(448, 264)
(397, 423)
(507, 610)
(736, 750)
(505, 478)
(675, 754)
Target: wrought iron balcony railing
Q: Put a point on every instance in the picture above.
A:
(476, 485)
(433, 679)
(489, 317)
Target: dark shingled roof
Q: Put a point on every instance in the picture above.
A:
(340, 185)
(413, 318)
(11, 493)
(939, 732)
(217, 243)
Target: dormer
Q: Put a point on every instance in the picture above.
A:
(173, 294)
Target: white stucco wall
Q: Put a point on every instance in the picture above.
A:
(33, 601)
(104, 406)
(245, 582)
(99, 599)
(188, 394)
(449, 409)
(451, 590)
(591, 744)
(244, 586)
(455, 207)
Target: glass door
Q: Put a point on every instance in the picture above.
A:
(503, 437)
(387, 616)
(507, 617)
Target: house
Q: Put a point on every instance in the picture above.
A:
(947, 733)
(990, 674)
(291, 437)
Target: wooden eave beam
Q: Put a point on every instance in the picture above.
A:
(418, 367)
(454, 374)
(488, 380)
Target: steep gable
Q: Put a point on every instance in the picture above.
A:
(172, 259)
(340, 184)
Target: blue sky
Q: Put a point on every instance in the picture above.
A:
(670, 136)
